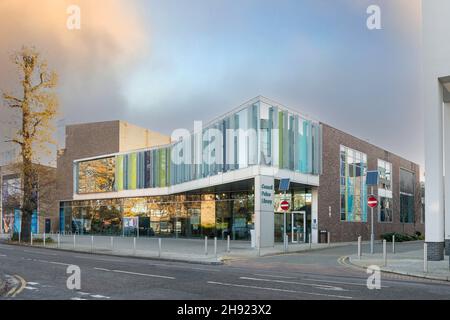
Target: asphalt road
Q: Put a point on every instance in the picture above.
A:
(41, 274)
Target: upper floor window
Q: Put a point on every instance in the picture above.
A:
(407, 190)
(385, 175)
(353, 185)
(96, 175)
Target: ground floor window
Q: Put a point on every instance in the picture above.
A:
(385, 209)
(182, 215)
(406, 208)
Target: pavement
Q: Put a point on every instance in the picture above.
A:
(183, 250)
(42, 273)
(409, 261)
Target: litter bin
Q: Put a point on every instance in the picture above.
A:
(253, 238)
(323, 236)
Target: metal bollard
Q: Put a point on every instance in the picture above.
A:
(92, 243)
(384, 254)
(393, 243)
(310, 241)
(112, 243)
(425, 258)
(44, 239)
(19, 235)
(159, 247)
(215, 247)
(329, 237)
(134, 246)
(206, 246)
(31, 239)
(74, 241)
(228, 243)
(59, 240)
(371, 243)
(359, 247)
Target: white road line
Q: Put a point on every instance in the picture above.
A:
(54, 262)
(31, 288)
(341, 282)
(136, 273)
(280, 290)
(40, 252)
(99, 296)
(33, 283)
(273, 276)
(2, 255)
(318, 286)
(77, 298)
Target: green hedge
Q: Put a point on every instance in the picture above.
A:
(401, 237)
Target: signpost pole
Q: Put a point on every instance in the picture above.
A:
(371, 225)
(284, 226)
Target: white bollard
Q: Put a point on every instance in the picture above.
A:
(159, 247)
(112, 243)
(206, 246)
(31, 239)
(371, 243)
(425, 258)
(228, 243)
(384, 254)
(44, 239)
(59, 240)
(134, 246)
(215, 247)
(393, 243)
(329, 237)
(310, 241)
(359, 247)
(92, 243)
(74, 241)
(19, 236)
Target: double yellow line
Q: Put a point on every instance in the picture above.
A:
(17, 289)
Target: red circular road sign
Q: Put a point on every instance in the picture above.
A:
(284, 205)
(372, 201)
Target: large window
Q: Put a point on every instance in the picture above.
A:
(385, 209)
(407, 188)
(353, 165)
(96, 175)
(385, 175)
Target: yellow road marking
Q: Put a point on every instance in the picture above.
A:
(15, 291)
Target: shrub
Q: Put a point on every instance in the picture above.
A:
(401, 237)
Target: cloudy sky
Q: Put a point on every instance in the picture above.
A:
(162, 64)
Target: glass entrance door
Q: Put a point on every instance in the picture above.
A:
(298, 227)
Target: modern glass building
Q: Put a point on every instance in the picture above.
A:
(222, 179)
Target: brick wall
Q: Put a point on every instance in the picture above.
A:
(329, 190)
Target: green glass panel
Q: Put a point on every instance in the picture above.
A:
(119, 173)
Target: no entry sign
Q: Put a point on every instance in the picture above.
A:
(284, 205)
(372, 201)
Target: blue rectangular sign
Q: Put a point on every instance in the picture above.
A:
(372, 178)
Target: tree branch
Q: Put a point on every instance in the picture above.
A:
(15, 141)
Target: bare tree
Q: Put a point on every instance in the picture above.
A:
(36, 108)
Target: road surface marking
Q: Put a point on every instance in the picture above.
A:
(99, 296)
(33, 283)
(54, 262)
(341, 282)
(31, 288)
(2, 255)
(318, 286)
(280, 290)
(136, 273)
(273, 276)
(40, 252)
(77, 298)
(23, 284)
